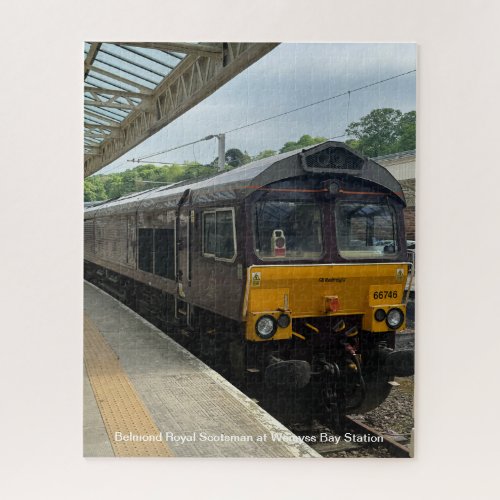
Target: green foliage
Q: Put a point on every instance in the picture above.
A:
(407, 132)
(383, 131)
(265, 154)
(94, 189)
(304, 142)
(141, 178)
(235, 158)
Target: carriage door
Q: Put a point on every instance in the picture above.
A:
(182, 259)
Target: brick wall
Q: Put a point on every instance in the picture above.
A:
(402, 166)
(409, 214)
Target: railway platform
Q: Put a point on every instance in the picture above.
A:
(145, 395)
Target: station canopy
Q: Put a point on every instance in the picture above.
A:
(133, 89)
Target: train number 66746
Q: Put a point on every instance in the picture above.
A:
(391, 294)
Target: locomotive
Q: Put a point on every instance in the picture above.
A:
(287, 275)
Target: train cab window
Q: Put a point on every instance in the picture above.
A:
(289, 230)
(366, 230)
(146, 248)
(209, 233)
(219, 234)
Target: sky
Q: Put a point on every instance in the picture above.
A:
(290, 76)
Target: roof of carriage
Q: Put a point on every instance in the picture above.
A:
(241, 182)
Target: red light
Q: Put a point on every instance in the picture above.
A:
(332, 304)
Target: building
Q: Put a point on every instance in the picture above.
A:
(402, 167)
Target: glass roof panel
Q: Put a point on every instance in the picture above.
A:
(122, 69)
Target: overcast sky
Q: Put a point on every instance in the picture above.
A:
(290, 76)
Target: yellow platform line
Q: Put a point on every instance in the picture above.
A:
(121, 407)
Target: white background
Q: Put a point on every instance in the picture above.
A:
(41, 251)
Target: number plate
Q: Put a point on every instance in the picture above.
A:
(385, 294)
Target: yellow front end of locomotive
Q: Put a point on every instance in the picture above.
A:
(312, 291)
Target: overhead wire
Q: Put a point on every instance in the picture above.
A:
(337, 96)
(347, 92)
(178, 147)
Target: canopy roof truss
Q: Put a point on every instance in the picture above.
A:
(133, 89)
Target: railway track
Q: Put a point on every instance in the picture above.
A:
(358, 439)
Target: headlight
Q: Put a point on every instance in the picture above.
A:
(284, 321)
(380, 315)
(395, 318)
(265, 327)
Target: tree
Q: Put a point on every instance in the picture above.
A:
(304, 142)
(195, 170)
(94, 189)
(383, 131)
(264, 154)
(141, 178)
(407, 131)
(235, 158)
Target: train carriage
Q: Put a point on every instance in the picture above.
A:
(287, 275)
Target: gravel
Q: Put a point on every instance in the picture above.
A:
(367, 452)
(395, 415)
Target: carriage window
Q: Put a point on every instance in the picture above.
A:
(366, 230)
(89, 237)
(288, 230)
(156, 252)
(218, 234)
(146, 250)
(131, 239)
(164, 253)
